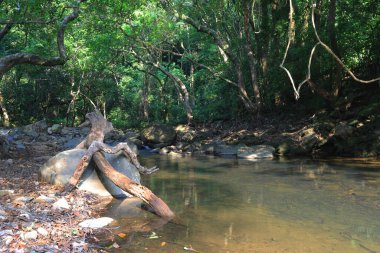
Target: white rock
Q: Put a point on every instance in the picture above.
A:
(256, 152)
(6, 192)
(42, 231)
(96, 223)
(61, 204)
(30, 235)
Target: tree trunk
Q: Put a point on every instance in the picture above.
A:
(145, 101)
(251, 59)
(337, 71)
(182, 92)
(226, 51)
(4, 112)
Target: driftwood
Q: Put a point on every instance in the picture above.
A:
(94, 145)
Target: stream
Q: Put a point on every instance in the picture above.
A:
(229, 205)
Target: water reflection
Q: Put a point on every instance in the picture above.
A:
(229, 205)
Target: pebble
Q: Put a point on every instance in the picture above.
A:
(61, 204)
(42, 231)
(32, 235)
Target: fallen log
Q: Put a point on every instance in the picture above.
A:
(94, 144)
(138, 190)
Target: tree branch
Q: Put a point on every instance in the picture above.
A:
(9, 61)
(5, 30)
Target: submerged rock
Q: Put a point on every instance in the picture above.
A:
(58, 169)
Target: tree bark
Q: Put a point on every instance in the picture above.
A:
(182, 90)
(145, 93)
(4, 112)
(9, 61)
(138, 190)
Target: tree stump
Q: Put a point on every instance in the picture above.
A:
(95, 146)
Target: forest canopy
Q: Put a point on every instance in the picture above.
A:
(174, 62)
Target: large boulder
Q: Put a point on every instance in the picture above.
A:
(158, 135)
(58, 170)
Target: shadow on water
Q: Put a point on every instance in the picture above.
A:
(229, 205)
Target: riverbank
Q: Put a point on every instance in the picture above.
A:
(29, 223)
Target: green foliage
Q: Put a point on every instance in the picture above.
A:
(116, 49)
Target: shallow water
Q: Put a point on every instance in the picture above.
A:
(229, 205)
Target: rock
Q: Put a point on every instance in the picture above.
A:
(61, 204)
(343, 130)
(164, 151)
(158, 135)
(223, 149)
(256, 152)
(24, 199)
(31, 235)
(6, 192)
(72, 143)
(188, 137)
(56, 128)
(59, 169)
(42, 231)
(43, 138)
(41, 159)
(96, 223)
(20, 146)
(291, 148)
(208, 148)
(33, 130)
(9, 162)
(6, 232)
(84, 131)
(310, 139)
(44, 199)
(129, 207)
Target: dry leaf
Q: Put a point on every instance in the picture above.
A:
(163, 244)
(121, 235)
